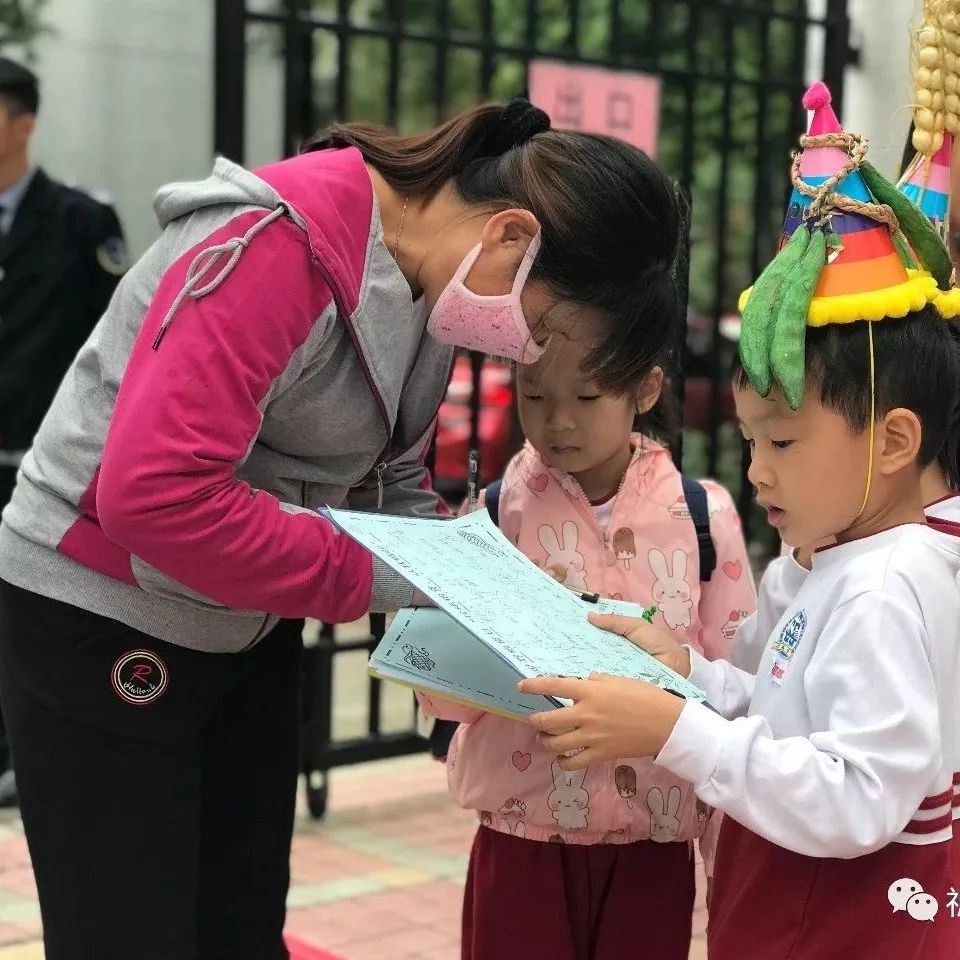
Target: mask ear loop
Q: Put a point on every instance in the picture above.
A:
(531, 351)
(873, 413)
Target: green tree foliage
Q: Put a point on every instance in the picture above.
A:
(21, 24)
(697, 46)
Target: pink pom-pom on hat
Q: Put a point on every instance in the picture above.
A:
(818, 99)
(821, 161)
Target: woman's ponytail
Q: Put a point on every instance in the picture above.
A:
(610, 219)
(421, 164)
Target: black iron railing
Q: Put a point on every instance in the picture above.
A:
(732, 73)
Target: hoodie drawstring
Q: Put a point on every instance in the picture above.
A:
(211, 261)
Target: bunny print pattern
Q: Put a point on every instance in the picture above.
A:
(562, 553)
(569, 802)
(512, 814)
(671, 592)
(664, 814)
(558, 529)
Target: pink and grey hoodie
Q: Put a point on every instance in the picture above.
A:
(647, 554)
(261, 360)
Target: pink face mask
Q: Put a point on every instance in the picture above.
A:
(491, 324)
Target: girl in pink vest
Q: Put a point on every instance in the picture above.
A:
(575, 867)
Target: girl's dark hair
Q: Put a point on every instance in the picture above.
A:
(917, 361)
(664, 419)
(609, 217)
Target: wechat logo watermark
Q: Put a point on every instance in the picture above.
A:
(908, 896)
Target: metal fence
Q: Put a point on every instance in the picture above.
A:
(732, 71)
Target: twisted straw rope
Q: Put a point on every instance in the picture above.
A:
(825, 200)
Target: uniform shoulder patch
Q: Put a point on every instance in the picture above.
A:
(113, 257)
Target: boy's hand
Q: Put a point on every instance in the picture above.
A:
(611, 717)
(658, 643)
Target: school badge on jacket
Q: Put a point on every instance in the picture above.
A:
(786, 646)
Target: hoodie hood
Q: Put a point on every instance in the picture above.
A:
(227, 184)
(301, 189)
(326, 193)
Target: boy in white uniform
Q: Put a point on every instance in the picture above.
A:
(941, 484)
(835, 763)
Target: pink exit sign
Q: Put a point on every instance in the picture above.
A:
(621, 103)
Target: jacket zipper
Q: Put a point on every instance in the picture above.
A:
(382, 464)
(388, 453)
(586, 507)
(379, 469)
(364, 366)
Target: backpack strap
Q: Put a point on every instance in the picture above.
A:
(491, 498)
(695, 494)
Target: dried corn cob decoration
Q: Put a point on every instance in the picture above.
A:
(926, 179)
(937, 91)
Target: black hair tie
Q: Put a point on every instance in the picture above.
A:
(518, 122)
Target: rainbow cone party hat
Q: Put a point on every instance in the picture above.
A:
(926, 182)
(853, 248)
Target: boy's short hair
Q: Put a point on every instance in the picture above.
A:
(948, 460)
(19, 88)
(917, 367)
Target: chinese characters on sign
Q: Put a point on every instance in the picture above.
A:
(622, 103)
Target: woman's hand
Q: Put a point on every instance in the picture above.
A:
(658, 643)
(611, 717)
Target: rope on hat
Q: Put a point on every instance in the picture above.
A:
(825, 198)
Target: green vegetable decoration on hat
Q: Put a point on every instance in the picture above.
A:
(853, 248)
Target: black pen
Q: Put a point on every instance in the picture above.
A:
(473, 477)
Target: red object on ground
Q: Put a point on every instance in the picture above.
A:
(453, 433)
(305, 951)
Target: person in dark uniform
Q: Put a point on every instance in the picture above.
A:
(61, 255)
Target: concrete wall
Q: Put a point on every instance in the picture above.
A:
(878, 91)
(127, 89)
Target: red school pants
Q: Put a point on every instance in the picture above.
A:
(530, 900)
(772, 904)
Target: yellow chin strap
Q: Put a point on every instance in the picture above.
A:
(873, 413)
